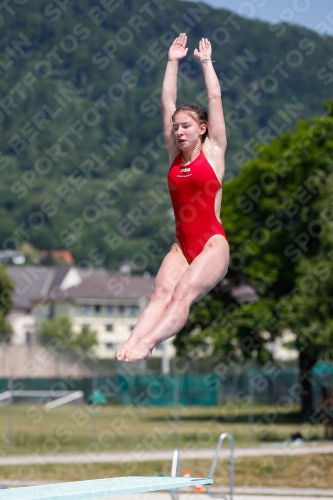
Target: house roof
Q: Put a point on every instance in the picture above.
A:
(41, 283)
(34, 283)
(110, 286)
(29, 283)
(56, 254)
(58, 276)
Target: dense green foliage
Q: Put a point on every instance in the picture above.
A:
(6, 302)
(59, 60)
(58, 332)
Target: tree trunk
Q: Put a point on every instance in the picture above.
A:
(306, 362)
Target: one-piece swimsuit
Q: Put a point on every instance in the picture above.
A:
(193, 190)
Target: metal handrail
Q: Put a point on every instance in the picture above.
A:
(231, 465)
(175, 472)
(175, 467)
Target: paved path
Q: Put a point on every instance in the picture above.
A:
(239, 493)
(151, 456)
(237, 496)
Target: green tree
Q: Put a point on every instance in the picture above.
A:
(6, 302)
(59, 331)
(87, 338)
(308, 310)
(37, 189)
(278, 214)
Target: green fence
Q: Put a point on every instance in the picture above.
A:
(263, 387)
(140, 390)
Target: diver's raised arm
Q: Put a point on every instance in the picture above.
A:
(216, 125)
(176, 52)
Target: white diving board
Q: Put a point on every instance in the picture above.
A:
(101, 488)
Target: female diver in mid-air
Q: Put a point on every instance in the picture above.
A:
(199, 257)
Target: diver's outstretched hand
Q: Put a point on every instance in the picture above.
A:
(205, 49)
(178, 49)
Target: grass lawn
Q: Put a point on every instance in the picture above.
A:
(308, 471)
(71, 428)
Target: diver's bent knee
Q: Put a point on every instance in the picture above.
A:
(182, 293)
(161, 293)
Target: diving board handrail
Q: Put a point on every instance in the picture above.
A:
(175, 472)
(175, 467)
(100, 488)
(223, 436)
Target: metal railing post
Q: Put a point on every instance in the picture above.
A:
(10, 384)
(231, 464)
(175, 472)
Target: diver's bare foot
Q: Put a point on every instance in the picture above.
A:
(139, 351)
(121, 353)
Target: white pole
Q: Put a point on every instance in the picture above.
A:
(165, 358)
(93, 409)
(10, 411)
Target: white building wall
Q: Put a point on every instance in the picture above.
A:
(108, 341)
(23, 327)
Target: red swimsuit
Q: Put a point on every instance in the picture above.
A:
(193, 189)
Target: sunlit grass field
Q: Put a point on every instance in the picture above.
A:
(74, 428)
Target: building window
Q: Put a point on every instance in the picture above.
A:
(109, 328)
(97, 308)
(121, 309)
(109, 309)
(51, 311)
(85, 309)
(109, 345)
(133, 310)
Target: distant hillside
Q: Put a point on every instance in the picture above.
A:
(82, 160)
